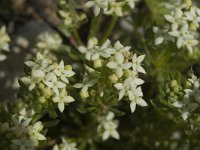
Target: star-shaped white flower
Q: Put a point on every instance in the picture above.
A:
(109, 126)
(118, 64)
(62, 99)
(63, 73)
(136, 63)
(65, 145)
(86, 83)
(93, 52)
(53, 83)
(34, 132)
(97, 5)
(193, 16)
(20, 127)
(23, 143)
(135, 96)
(115, 8)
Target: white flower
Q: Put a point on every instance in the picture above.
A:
(130, 89)
(67, 16)
(181, 27)
(63, 73)
(37, 75)
(19, 128)
(49, 41)
(191, 100)
(109, 126)
(135, 96)
(115, 8)
(136, 63)
(23, 143)
(119, 48)
(186, 107)
(97, 5)
(93, 52)
(118, 64)
(110, 131)
(35, 135)
(192, 15)
(62, 99)
(52, 82)
(65, 145)
(195, 81)
(86, 83)
(184, 37)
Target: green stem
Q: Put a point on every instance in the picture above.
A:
(108, 29)
(94, 26)
(77, 37)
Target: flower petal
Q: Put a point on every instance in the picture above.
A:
(133, 106)
(111, 65)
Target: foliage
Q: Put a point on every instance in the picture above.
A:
(90, 103)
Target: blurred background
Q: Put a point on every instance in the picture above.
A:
(24, 22)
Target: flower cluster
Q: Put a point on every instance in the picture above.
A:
(48, 81)
(182, 24)
(4, 40)
(173, 91)
(110, 7)
(112, 66)
(191, 99)
(20, 132)
(47, 41)
(65, 145)
(68, 12)
(108, 126)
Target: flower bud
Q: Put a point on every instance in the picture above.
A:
(84, 94)
(113, 78)
(97, 63)
(193, 27)
(128, 73)
(41, 86)
(171, 94)
(174, 83)
(47, 92)
(92, 42)
(188, 3)
(68, 67)
(188, 84)
(176, 89)
(93, 92)
(42, 99)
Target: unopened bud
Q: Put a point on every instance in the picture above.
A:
(42, 99)
(188, 3)
(113, 78)
(47, 92)
(41, 85)
(92, 42)
(97, 63)
(193, 27)
(128, 73)
(174, 83)
(68, 67)
(84, 94)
